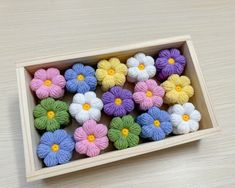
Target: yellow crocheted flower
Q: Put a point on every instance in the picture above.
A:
(178, 89)
(110, 73)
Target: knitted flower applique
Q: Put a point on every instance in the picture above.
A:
(184, 118)
(148, 94)
(155, 124)
(110, 73)
(169, 62)
(124, 132)
(49, 115)
(91, 138)
(48, 83)
(178, 89)
(117, 101)
(55, 147)
(140, 68)
(85, 107)
(80, 79)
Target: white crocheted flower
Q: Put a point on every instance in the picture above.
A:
(140, 68)
(85, 107)
(184, 118)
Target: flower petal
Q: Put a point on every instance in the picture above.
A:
(103, 64)
(166, 127)
(146, 131)
(165, 53)
(155, 113)
(132, 140)
(41, 74)
(119, 79)
(181, 60)
(182, 98)
(39, 111)
(151, 71)
(59, 81)
(62, 117)
(89, 71)
(133, 73)
(127, 121)
(143, 76)
(146, 104)
(100, 131)
(52, 125)
(119, 111)
(195, 115)
(72, 85)
(116, 123)
(59, 136)
(108, 97)
(56, 91)
(78, 68)
(43, 92)
(121, 68)
(188, 108)
(101, 74)
(82, 116)
(70, 74)
(47, 103)
(188, 90)
(89, 127)
(178, 109)
(89, 96)
(74, 109)
(51, 159)
(82, 87)
(96, 103)
(63, 156)
(109, 108)
(114, 134)
(158, 91)
(67, 144)
(40, 123)
(132, 62)
(43, 150)
(126, 94)
(47, 138)
(92, 150)
(164, 116)
(81, 147)
(171, 97)
(193, 125)
(182, 128)
(139, 97)
(116, 91)
(60, 106)
(141, 87)
(158, 134)
(121, 143)
(144, 119)
(135, 128)
(102, 143)
(35, 84)
(95, 114)
(79, 98)
(80, 134)
(174, 52)
(157, 101)
(140, 57)
(52, 72)
(149, 61)
(108, 82)
(168, 86)
(161, 62)
(91, 81)
(128, 104)
(176, 119)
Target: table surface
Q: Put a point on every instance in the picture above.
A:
(36, 29)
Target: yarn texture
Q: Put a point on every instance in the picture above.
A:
(124, 132)
(55, 147)
(148, 94)
(169, 62)
(155, 124)
(48, 83)
(110, 73)
(117, 101)
(80, 79)
(140, 68)
(91, 138)
(49, 115)
(184, 118)
(85, 107)
(178, 89)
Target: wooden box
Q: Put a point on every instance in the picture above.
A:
(27, 100)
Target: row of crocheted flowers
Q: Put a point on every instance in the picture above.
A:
(89, 139)
(109, 73)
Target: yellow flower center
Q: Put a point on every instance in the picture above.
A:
(178, 88)
(157, 123)
(149, 94)
(185, 117)
(125, 132)
(141, 66)
(171, 61)
(55, 147)
(90, 137)
(50, 114)
(86, 106)
(111, 71)
(80, 77)
(118, 101)
(47, 82)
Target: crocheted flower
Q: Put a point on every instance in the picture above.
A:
(50, 114)
(48, 83)
(117, 101)
(178, 89)
(91, 138)
(184, 118)
(169, 62)
(86, 106)
(55, 147)
(124, 132)
(147, 94)
(111, 73)
(155, 124)
(140, 68)
(80, 79)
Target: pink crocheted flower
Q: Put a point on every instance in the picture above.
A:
(148, 94)
(48, 83)
(91, 138)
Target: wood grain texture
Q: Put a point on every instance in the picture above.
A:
(31, 29)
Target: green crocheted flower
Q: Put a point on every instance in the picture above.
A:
(124, 132)
(50, 114)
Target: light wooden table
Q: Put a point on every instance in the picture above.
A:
(34, 29)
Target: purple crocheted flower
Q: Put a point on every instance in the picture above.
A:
(169, 62)
(117, 101)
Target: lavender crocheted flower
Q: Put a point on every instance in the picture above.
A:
(117, 101)
(169, 62)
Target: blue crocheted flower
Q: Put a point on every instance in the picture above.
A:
(80, 79)
(155, 124)
(55, 147)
